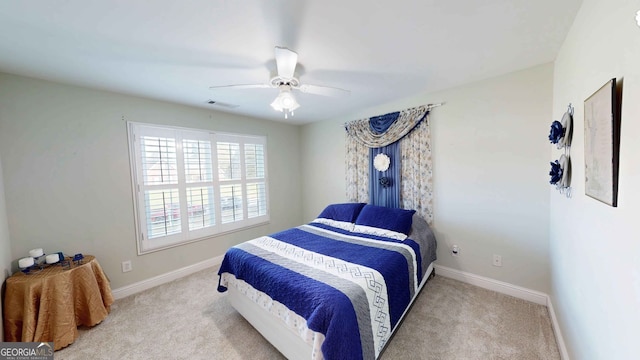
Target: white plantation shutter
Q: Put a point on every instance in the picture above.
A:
(228, 160)
(201, 207)
(197, 160)
(191, 184)
(256, 199)
(231, 200)
(159, 186)
(198, 167)
(256, 180)
(229, 170)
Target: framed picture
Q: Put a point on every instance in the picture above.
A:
(601, 144)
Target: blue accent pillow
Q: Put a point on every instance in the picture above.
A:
(347, 212)
(398, 220)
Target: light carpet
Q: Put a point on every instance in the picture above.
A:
(189, 319)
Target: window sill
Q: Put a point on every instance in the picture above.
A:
(208, 237)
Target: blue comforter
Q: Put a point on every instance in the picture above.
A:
(351, 287)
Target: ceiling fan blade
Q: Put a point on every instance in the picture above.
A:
(242, 86)
(286, 61)
(324, 90)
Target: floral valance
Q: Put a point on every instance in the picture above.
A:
(366, 133)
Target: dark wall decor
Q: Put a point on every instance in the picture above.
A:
(560, 135)
(601, 144)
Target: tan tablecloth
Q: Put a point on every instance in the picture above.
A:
(50, 304)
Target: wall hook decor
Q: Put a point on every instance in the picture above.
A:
(561, 131)
(560, 134)
(561, 175)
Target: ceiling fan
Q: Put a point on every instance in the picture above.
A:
(285, 81)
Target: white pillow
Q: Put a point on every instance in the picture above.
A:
(344, 225)
(379, 232)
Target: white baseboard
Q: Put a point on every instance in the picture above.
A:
(564, 354)
(135, 288)
(512, 290)
(495, 285)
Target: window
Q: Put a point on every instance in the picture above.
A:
(191, 184)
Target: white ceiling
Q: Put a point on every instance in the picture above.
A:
(380, 50)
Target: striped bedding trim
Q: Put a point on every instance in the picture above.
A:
(404, 249)
(369, 280)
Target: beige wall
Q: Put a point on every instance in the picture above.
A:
(67, 176)
(595, 248)
(5, 249)
(490, 166)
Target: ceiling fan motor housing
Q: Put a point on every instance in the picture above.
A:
(279, 81)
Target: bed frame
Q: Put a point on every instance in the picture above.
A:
(282, 337)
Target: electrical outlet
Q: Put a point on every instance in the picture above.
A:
(497, 260)
(126, 266)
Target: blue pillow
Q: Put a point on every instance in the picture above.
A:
(398, 220)
(342, 212)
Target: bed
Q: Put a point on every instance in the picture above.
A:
(335, 288)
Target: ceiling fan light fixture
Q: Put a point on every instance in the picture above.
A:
(285, 102)
(285, 81)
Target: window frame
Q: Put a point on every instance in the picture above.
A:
(145, 243)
